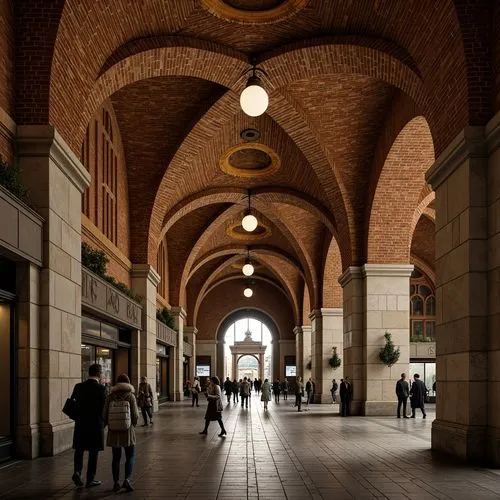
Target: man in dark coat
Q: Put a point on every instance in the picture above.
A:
(418, 392)
(402, 392)
(90, 397)
(345, 397)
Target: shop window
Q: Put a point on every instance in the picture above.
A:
(422, 307)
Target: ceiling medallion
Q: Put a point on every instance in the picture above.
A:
(250, 134)
(236, 232)
(254, 11)
(250, 160)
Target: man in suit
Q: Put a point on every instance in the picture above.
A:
(402, 392)
(88, 434)
(418, 392)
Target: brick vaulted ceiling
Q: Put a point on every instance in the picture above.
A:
(344, 77)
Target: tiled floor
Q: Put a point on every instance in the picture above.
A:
(276, 455)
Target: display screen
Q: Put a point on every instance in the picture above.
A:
(290, 371)
(203, 370)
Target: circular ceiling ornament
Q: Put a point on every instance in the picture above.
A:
(250, 134)
(248, 292)
(250, 160)
(254, 11)
(236, 232)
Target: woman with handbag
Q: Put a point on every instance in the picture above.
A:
(214, 408)
(266, 393)
(145, 401)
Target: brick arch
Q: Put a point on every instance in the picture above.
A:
(306, 306)
(227, 279)
(332, 269)
(410, 156)
(421, 210)
(423, 266)
(258, 254)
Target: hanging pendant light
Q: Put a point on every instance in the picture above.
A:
(249, 221)
(254, 99)
(248, 292)
(248, 269)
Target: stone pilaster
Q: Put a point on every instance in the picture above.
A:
(209, 348)
(190, 333)
(326, 333)
(465, 393)
(353, 360)
(387, 309)
(299, 349)
(144, 281)
(28, 381)
(286, 348)
(180, 316)
(56, 180)
(492, 133)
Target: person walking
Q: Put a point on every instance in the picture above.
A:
(195, 391)
(299, 392)
(345, 397)
(88, 434)
(418, 392)
(121, 415)
(214, 408)
(276, 390)
(285, 386)
(244, 392)
(334, 390)
(309, 391)
(235, 388)
(402, 392)
(228, 389)
(266, 393)
(146, 401)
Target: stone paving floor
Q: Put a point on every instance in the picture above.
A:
(276, 455)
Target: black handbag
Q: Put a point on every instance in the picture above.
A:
(71, 408)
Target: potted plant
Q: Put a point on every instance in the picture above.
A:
(389, 354)
(335, 360)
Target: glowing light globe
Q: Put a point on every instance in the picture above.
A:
(248, 269)
(254, 100)
(248, 292)
(249, 223)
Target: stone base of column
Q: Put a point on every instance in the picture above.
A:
(178, 396)
(493, 443)
(323, 398)
(466, 442)
(28, 441)
(55, 438)
(379, 408)
(356, 407)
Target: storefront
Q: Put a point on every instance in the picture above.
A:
(110, 324)
(8, 385)
(166, 341)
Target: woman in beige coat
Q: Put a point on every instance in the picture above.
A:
(122, 392)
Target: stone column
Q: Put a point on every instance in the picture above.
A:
(353, 362)
(144, 281)
(233, 371)
(208, 348)
(299, 349)
(261, 366)
(387, 309)
(307, 352)
(327, 332)
(180, 316)
(190, 332)
(28, 382)
(287, 348)
(465, 393)
(56, 180)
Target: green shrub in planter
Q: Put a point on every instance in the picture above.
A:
(94, 260)
(165, 317)
(389, 354)
(9, 179)
(309, 365)
(335, 360)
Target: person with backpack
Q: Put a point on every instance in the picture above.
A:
(121, 415)
(145, 401)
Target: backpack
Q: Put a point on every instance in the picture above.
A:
(119, 418)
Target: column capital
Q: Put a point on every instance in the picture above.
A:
(190, 330)
(388, 270)
(332, 311)
(351, 273)
(315, 314)
(179, 311)
(492, 133)
(147, 272)
(297, 330)
(43, 141)
(306, 328)
(469, 143)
